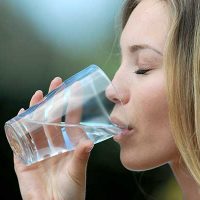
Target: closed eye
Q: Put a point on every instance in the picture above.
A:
(142, 71)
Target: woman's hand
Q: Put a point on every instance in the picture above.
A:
(62, 177)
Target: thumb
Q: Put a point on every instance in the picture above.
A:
(80, 159)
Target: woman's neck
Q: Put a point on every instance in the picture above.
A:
(190, 189)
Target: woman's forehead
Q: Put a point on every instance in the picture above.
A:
(147, 24)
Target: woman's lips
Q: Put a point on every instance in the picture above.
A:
(119, 123)
(124, 134)
(126, 130)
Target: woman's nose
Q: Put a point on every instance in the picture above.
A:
(112, 95)
(117, 92)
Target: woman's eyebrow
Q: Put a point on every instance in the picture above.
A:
(134, 48)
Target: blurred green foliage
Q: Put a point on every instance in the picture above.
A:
(170, 191)
(28, 62)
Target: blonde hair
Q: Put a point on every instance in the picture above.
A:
(182, 66)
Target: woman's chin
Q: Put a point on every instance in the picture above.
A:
(139, 164)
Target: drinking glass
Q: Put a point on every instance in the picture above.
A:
(77, 110)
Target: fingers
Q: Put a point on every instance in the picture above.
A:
(74, 112)
(55, 83)
(18, 164)
(40, 136)
(37, 97)
(79, 160)
(37, 136)
(54, 115)
(21, 111)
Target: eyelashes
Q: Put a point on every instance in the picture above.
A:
(142, 71)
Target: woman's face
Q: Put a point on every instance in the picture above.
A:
(141, 82)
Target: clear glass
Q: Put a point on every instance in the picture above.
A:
(77, 110)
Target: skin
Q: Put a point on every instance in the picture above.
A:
(61, 177)
(148, 143)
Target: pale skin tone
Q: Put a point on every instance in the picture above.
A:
(61, 177)
(149, 143)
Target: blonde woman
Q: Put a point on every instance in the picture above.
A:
(159, 82)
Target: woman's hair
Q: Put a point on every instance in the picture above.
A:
(182, 66)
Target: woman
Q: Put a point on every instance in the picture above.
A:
(158, 80)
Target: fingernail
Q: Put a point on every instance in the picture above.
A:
(21, 111)
(39, 92)
(57, 78)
